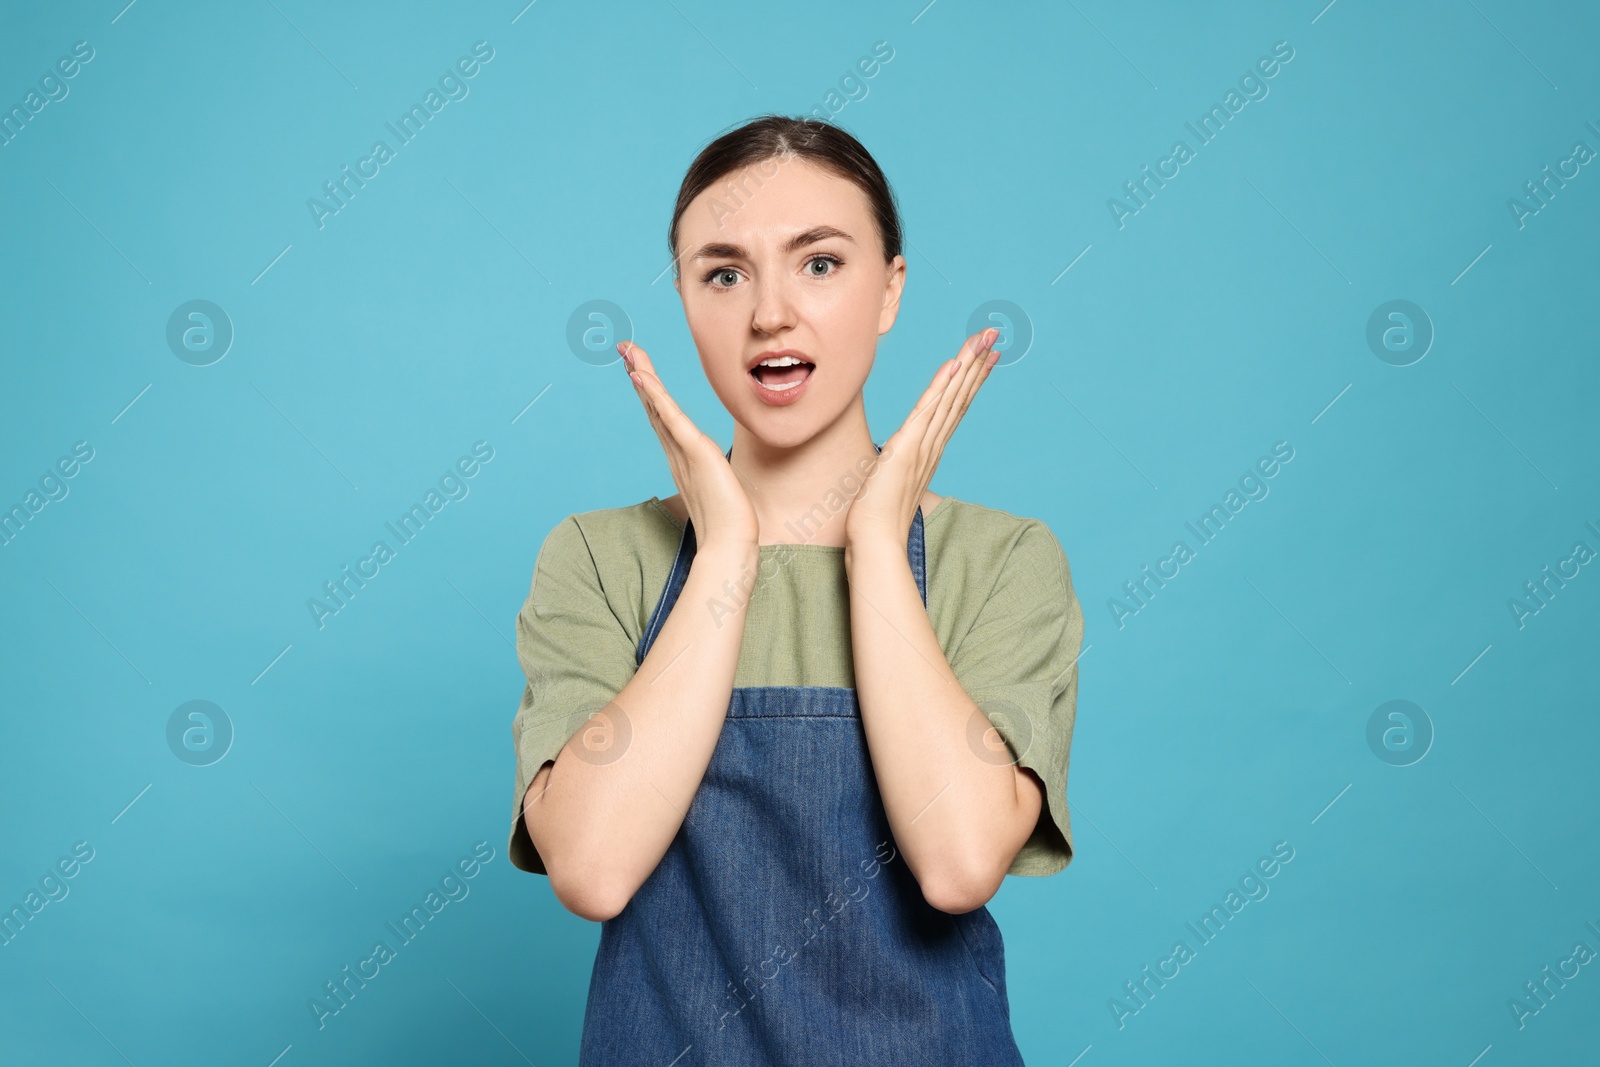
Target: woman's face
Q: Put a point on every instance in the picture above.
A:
(785, 256)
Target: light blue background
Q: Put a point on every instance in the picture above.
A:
(1229, 314)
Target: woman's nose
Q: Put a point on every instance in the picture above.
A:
(774, 310)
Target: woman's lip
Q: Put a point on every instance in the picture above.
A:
(777, 397)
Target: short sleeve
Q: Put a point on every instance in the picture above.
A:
(576, 656)
(1019, 664)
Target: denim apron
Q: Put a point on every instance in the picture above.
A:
(782, 925)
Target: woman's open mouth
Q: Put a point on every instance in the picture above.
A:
(781, 380)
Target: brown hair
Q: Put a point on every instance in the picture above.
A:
(822, 143)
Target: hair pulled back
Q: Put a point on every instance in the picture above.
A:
(783, 138)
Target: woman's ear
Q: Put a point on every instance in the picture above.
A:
(894, 284)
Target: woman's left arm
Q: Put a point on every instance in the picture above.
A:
(958, 818)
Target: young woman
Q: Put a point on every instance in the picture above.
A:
(786, 731)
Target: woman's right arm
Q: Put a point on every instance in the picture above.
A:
(602, 820)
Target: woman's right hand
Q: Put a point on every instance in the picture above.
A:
(718, 506)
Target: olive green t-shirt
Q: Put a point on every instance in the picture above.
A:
(1000, 600)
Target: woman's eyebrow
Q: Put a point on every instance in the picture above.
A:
(723, 250)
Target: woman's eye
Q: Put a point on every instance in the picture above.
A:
(727, 277)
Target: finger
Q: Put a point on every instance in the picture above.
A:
(979, 342)
(983, 362)
(925, 413)
(676, 457)
(666, 407)
(651, 389)
(643, 390)
(678, 433)
(915, 432)
(633, 358)
(955, 400)
(972, 357)
(680, 429)
(930, 396)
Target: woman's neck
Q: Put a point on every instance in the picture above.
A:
(802, 494)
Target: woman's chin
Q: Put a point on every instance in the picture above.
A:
(782, 429)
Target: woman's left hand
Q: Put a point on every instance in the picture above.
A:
(891, 494)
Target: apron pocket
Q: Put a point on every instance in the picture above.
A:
(980, 934)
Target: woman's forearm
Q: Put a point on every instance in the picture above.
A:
(602, 819)
(958, 818)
